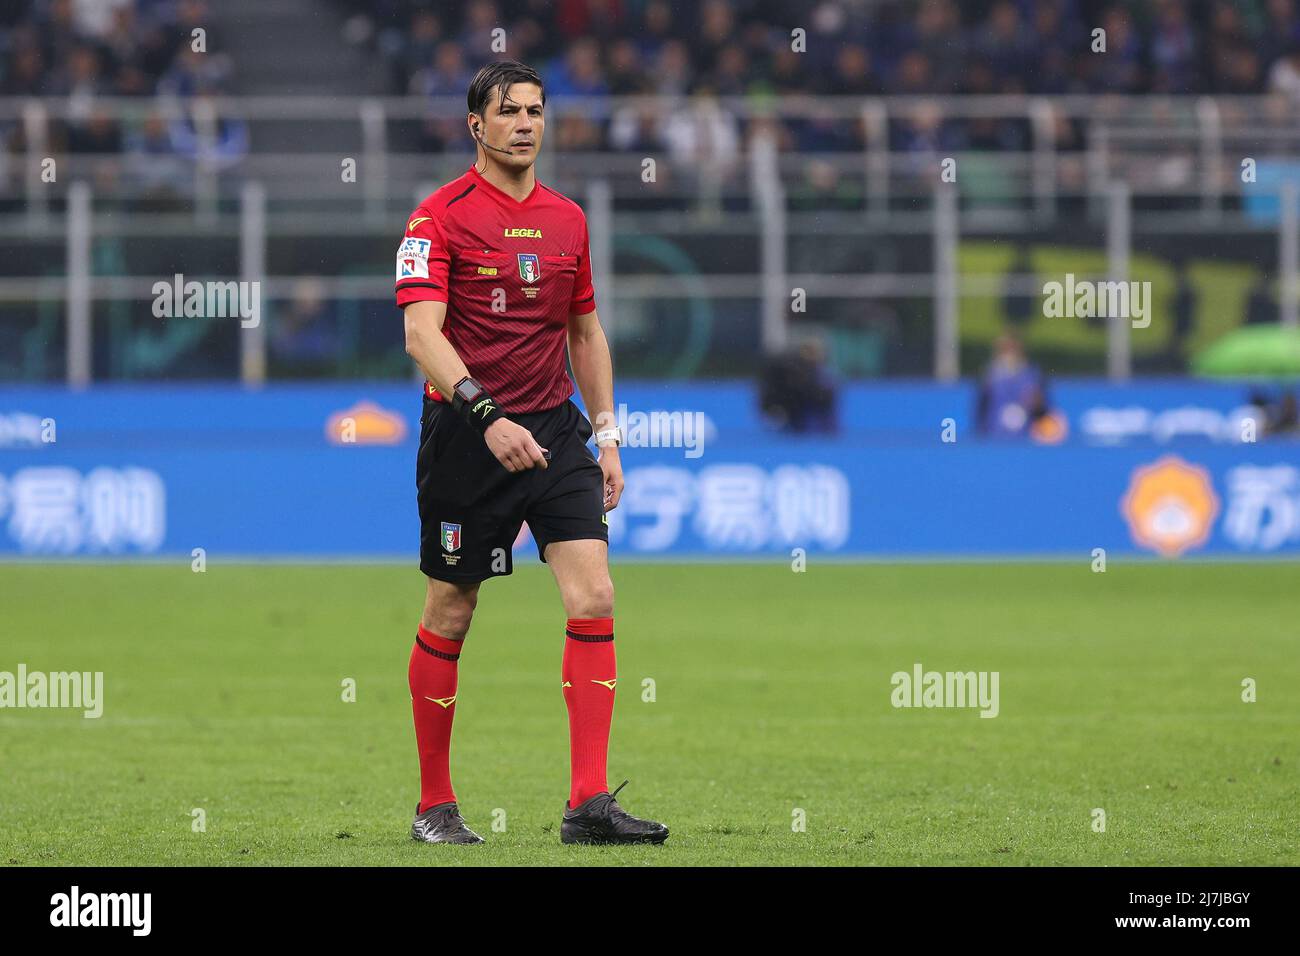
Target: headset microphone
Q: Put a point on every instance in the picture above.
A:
(479, 136)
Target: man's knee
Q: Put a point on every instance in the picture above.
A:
(593, 598)
(449, 609)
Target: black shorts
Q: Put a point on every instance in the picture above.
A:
(471, 507)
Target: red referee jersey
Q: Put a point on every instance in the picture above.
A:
(511, 274)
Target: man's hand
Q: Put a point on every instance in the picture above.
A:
(612, 468)
(514, 446)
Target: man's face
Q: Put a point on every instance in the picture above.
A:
(515, 124)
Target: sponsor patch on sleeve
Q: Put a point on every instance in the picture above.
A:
(413, 259)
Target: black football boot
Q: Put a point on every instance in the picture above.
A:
(442, 824)
(601, 820)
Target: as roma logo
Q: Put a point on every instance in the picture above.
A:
(1170, 506)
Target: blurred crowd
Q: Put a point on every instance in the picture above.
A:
(743, 47)
(107, 48)
(696, 53)
(84, 50)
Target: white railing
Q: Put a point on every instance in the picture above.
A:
(1122, 134)
(1214, 131)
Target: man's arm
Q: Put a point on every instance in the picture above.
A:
(429, 347)
(512, 444)
(594, 372)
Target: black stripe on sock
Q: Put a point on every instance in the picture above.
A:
(589, 638)
(429, 650)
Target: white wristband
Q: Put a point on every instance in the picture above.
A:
(614, 435)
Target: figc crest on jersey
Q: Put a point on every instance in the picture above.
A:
(530, 267)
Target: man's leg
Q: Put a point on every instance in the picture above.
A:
(588, 673)
(448, 610)
(592, 815)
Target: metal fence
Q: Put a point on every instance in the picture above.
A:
(1177, 165)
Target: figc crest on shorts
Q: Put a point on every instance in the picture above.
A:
(450, 536)
(530, 267)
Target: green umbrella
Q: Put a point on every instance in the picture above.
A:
(1254, 351)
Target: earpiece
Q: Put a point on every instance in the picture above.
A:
(479, 137)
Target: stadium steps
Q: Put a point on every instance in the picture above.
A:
(318, 62)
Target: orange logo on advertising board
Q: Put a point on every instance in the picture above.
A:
(1049, 429)
(365, 423)
(1170, 506)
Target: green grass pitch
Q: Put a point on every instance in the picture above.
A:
(223, 692)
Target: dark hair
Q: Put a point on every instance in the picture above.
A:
(497, 78)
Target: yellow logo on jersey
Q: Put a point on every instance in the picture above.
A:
(443, 702)
(487, 270)
(565, 684)
(605, 683)
(415, 222)
(522, 233)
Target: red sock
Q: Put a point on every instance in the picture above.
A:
(587, 676)
(432, 677)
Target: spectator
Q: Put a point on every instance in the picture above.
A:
(1185, 303)
(1281, 34)
(1012, 394)
(797, 392)
(672, 73)
(1053, 51)
(305, 339)
(589, 18)
(703, 136)
(853, 73)
(638, 129)
(580, 73)
(27, 75)
(1173, 50)
(481, 19)
(939, 39)
(716, 32)
(230, 136)
(194, 72)
(625, 68)
(1120, 70)
(1007, 46)
(100, 134)
(1232, 64)
(418, 57)
(446, 75)
(1284, 77)
(160, 176)
(94, 18)
(913, 76)
(656, 29)
(823, 187)
(731, 74)
(1261, 307)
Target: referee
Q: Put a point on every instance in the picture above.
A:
(494, 278)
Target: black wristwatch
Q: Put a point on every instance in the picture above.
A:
(472, 402)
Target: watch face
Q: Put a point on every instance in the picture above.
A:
(468, 391)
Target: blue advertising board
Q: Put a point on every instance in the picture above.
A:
(328, 471)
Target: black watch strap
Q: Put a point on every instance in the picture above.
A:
(473, 403)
